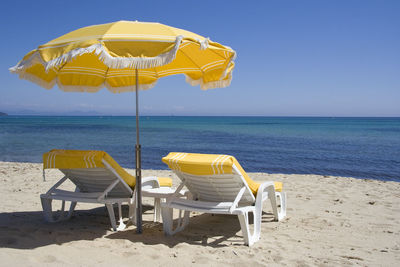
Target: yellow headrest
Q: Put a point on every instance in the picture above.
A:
(199, 164)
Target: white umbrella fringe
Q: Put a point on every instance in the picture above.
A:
(106, 58)
(116, 63)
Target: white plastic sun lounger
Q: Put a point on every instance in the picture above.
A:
(219, 185)
(98, 179)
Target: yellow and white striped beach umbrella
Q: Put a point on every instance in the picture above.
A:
(127, 56)
(107, 55)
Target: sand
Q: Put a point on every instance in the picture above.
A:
(330, 221)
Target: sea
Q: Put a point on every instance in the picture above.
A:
(350, 147)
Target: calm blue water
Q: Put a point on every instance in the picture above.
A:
(357, 147)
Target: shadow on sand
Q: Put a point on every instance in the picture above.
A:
(29, 230)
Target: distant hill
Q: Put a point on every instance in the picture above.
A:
(3, 114)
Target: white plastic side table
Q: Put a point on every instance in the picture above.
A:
(159, 194)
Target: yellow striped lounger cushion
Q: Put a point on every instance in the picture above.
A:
(82, 159)
(210, 164)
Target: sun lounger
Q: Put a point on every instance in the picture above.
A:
(98, 179)
(219, 185)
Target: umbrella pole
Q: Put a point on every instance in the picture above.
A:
(138, 164)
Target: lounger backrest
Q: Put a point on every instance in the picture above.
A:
(214, 178)
(96, 180)
(91, 171)
(216, 188)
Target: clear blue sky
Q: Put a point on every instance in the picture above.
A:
(295, 58)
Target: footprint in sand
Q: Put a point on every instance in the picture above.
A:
(130, 254)
(49, 259)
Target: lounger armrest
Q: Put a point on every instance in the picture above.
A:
(56, 185)
(265, 188)
(267, 191)
(150, 181)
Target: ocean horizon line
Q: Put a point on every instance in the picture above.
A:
(244, 116)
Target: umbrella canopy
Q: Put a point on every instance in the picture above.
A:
(127, 56)
(106, 55)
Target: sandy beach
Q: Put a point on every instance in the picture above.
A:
(330, 221)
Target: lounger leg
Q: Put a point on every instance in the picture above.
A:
(186, 216)
(272, 199)
(168, 220)
(62, 214)
(121, 225)
(47, 209)
(157, 210)
(72, 205)
(112, 216)
(183, 220)
(244, 225)
(282, 198)
(250, 239)
(167, 217)
(71, 209)
(132, 211)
